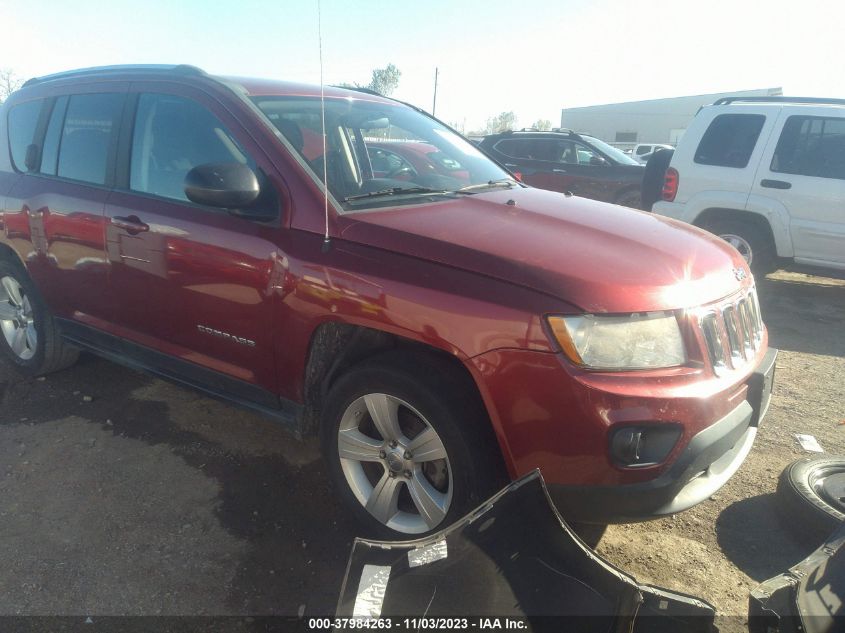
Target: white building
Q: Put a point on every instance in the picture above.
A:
(652, 121)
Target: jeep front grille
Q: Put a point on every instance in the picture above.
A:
(733, 332)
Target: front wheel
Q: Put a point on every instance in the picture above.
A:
(406, 449)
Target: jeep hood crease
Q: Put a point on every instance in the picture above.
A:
(600, 257)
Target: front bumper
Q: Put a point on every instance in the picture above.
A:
(710, 459)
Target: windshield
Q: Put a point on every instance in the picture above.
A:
(380, 154)
(615, 154)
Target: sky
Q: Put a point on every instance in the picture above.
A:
(529, 57)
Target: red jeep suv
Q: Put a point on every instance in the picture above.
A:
(441, 331)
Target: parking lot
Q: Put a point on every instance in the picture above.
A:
(123, 494)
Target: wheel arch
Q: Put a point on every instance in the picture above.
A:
(336, 347)
(11, 254)
(760, 221)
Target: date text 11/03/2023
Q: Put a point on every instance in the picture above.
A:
(418, 623)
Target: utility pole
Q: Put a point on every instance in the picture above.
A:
(434, 103)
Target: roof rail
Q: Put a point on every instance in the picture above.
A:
(773, 99)
(177, 69)
(366, 91)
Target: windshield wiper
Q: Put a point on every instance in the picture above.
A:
(392, 192)
(490, 184)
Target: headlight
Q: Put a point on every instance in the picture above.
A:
(637, 341)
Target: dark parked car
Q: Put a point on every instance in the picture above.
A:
(440, 332)
(566, 161)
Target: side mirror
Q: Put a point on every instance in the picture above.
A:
(223, 185)
(597, 161)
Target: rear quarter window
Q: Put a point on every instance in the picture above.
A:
(730, 140)
(23, 119)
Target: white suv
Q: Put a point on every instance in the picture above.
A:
(767, 174)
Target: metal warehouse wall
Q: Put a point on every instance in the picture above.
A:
(653, 121)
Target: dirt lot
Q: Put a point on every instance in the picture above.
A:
(122, 494)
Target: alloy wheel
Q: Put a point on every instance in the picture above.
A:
(17, 320)
(395, 463)
(740, 244)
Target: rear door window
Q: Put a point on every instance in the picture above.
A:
(730, 140)
(811, 146)
(23, 119)
(86, 143)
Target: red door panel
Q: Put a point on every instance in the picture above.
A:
(196, 284)
(59, 233)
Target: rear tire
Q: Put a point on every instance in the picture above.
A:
(752, 242)
(802, 499)
(395, 484)
(30, 341)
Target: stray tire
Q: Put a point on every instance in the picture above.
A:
(406, 445)
(653, 177)
(29, 339)
(750, 240)
(811, 497)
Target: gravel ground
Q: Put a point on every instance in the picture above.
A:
(123, 494)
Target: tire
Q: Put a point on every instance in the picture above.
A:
(411, 395)
(30, 342)
(750, 240)
(804, 498)
(655, 171)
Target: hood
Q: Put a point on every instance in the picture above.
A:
(596, 256)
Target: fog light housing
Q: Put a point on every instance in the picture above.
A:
(641, 446)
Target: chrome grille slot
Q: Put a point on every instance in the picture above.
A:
(733, 332)
(732, 326)
(744, 313)
(713, 339)
(758, 320)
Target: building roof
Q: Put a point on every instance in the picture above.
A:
(676, 103)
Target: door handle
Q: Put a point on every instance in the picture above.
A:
(775, 184)
(558, 171)
(130, 224)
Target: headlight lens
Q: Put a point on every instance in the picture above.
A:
(637, 341)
